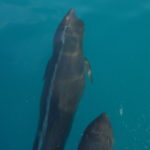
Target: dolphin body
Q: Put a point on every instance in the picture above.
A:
(64, 84)
(98, 135)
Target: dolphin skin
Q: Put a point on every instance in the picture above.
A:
(98, 135)
(64, 84)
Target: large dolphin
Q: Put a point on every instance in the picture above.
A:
(98, 135)
(64, 85)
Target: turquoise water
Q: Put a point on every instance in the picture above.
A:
(117, 44)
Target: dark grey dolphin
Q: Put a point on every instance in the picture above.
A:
(64, 85)
(98, 135)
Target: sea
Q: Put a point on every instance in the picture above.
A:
(117, 45)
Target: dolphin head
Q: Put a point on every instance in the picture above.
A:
(98, 135)
(69, 31)
(102, 126)
(72, 23)
(102, 131)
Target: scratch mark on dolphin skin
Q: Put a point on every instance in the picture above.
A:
(45, 122)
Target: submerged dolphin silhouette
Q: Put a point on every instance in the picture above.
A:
(98, 135)
(64, 85)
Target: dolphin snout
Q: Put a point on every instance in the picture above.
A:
(71, 14)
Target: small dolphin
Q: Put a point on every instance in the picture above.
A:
(98, 135)
(64, 84)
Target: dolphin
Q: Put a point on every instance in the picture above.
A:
(98, 135)
(64, 82)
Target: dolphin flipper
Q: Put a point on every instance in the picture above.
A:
(88, 69)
